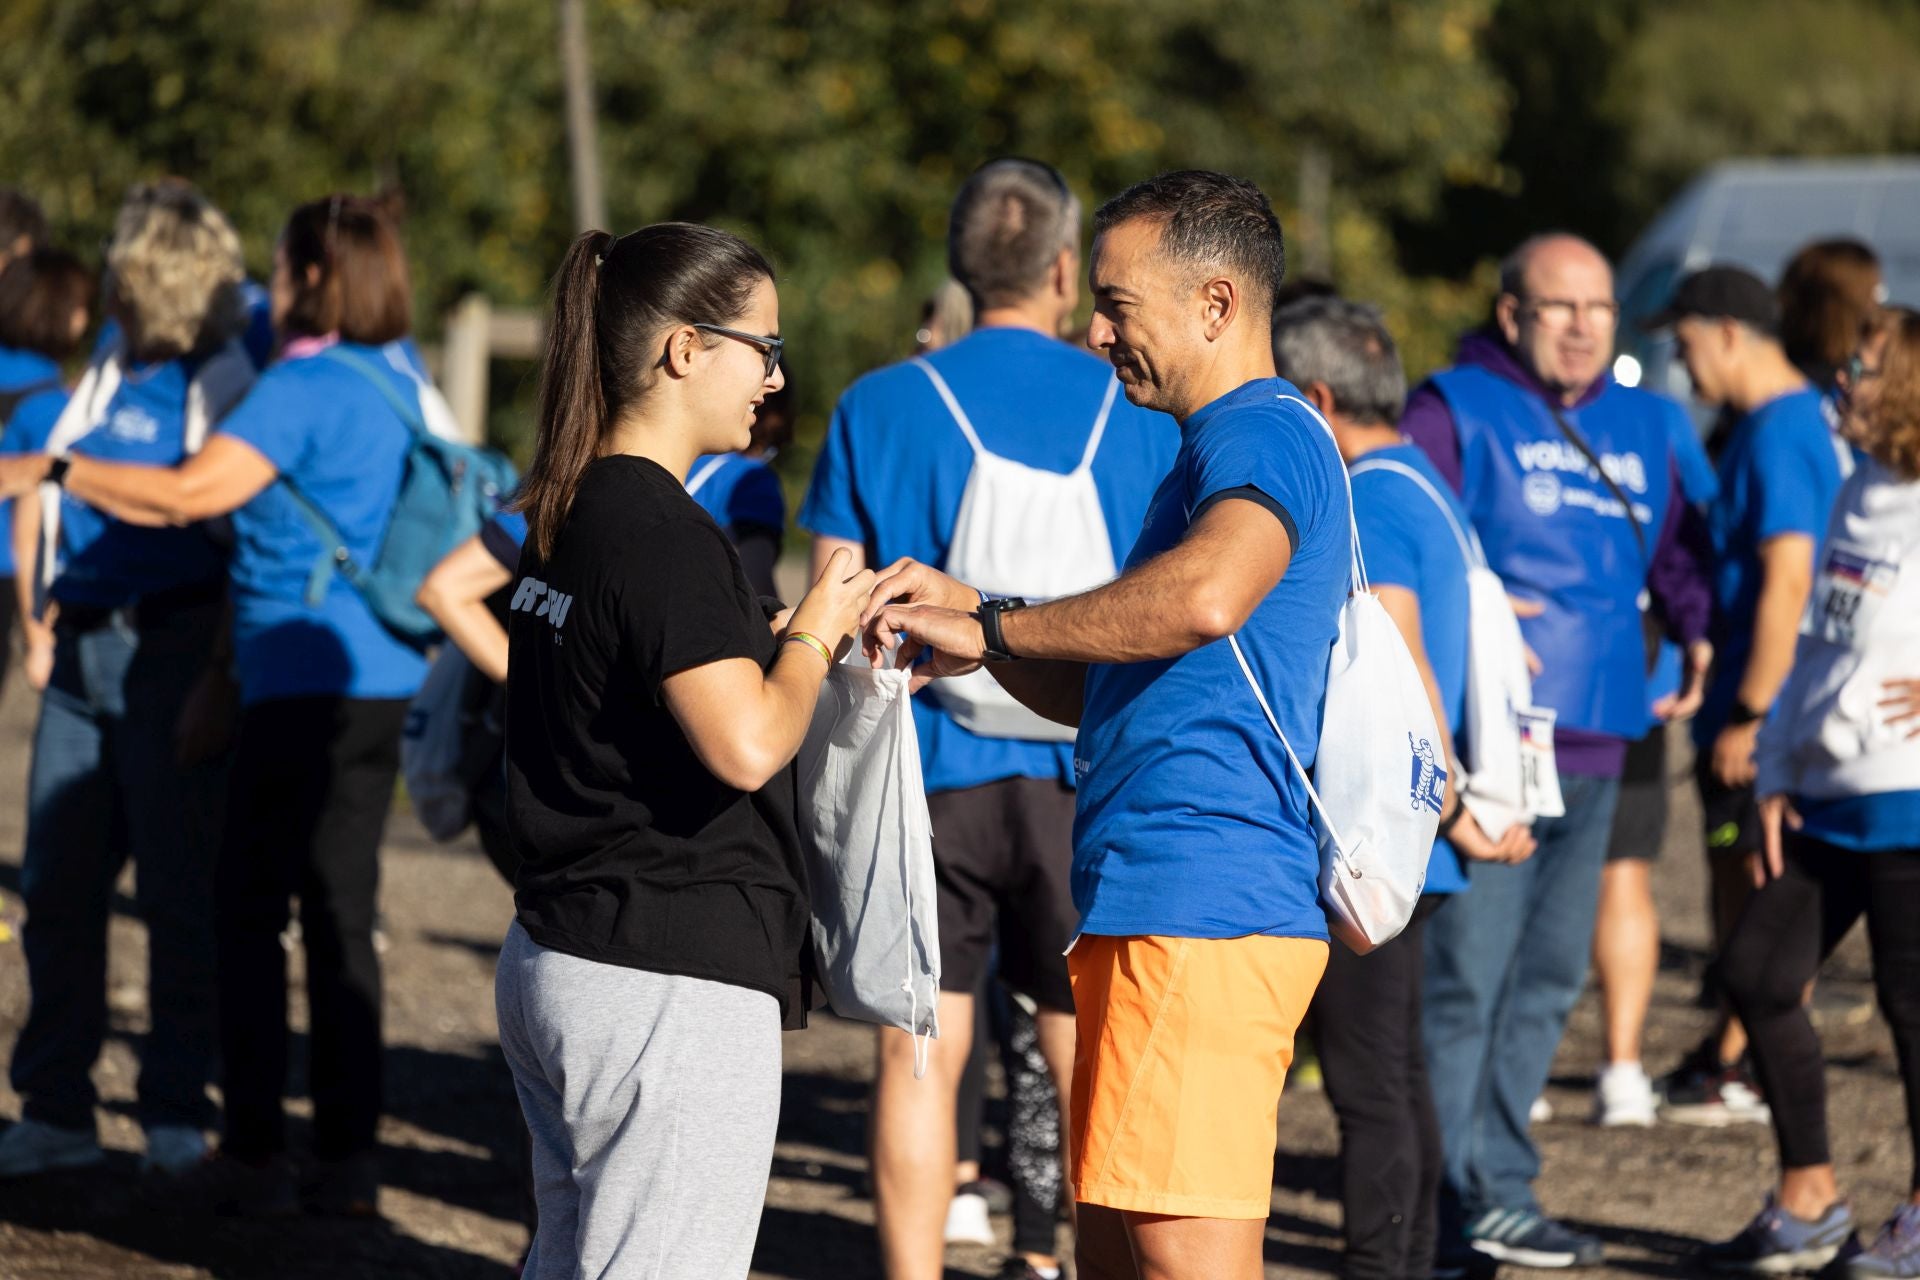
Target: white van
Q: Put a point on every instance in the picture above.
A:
(1757, 214)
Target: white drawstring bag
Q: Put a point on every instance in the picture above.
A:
(1504, 765)
(1022, 531)
(1381, 775)
(869, 850)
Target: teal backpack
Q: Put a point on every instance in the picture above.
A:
(447, 491)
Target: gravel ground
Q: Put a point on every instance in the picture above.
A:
(451, 1199)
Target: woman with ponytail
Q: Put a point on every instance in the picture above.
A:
(654, 707)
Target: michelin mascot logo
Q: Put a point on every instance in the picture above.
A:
(1429, 779)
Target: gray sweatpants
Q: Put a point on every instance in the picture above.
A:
(651, 1100)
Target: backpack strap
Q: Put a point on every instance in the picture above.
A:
(1266, 709)
(698, 480)
(1358, 568)
(334, 556)
(1469, 540)
(1099, 426)
(960, 418)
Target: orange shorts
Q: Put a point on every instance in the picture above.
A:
(1183, 1047)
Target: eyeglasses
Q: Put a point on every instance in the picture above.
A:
(1559, 313)
(770, 348)
(1859, 371)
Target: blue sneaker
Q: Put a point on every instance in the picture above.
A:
(1527, 1238)
(1897, 1251)
(1777, 1243)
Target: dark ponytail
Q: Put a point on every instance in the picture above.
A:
(611, 301)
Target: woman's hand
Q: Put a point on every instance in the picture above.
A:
(38, 662)
(1902, 703)
(21, 474)
(1771, 862)
(832, 609)
(1516, 843)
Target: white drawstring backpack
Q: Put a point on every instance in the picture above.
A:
(1379, 776)
(1505, 764)
(1022, 532)
(869, 848)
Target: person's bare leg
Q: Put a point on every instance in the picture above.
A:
(1168, 1248)
(1101, 1249)
(1055, 1033)
(1808, 1192)
(1626, 954)
(914, 1142)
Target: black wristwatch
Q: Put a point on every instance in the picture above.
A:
(989, 615)
(57, 471)
(1743, 714)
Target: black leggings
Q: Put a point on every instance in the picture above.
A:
(312, 782)
(1366, 1028)
(1787, 930)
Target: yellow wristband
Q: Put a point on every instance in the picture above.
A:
(812, 642)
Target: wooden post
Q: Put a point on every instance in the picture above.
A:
(583, 142)
(463, 377)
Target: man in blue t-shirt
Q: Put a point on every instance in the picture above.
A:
(1366, 1015)
(1779, 472)
(913, 449)
(1195, 867)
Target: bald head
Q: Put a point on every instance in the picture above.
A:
(1556, 310)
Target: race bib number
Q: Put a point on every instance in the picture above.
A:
(1853, 586)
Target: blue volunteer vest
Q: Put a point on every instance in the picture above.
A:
(1554, 531)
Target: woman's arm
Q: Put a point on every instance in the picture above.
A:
(455, 595)
(222, 477)
(38, 632)
(746, 725)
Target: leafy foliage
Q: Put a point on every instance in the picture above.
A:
(833, 134)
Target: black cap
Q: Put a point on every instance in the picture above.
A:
(1732, 293)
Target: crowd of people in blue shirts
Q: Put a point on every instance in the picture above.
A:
(220, 709)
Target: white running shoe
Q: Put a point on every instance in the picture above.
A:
(32, 1147)
(173, 1148)
(1623, 1097)
(1540, 1112)
(967, 1220)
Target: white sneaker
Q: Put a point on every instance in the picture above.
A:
(1540, 1112)
(967, 1220)
(173, 1148)
(32, 1147)
(1623, 1097)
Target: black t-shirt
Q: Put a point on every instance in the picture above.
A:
(634, 853)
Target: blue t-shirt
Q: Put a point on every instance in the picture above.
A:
(503, 536)
(1779, 474)
(894, 466)
(330, 431)
(1408, 544)
(1191, 821)
(739, 492)
(22, 371)
(103, 562)
(1867, 823)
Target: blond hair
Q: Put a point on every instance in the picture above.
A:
(174, 271)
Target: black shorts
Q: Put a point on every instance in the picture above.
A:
(1002, 854)
(1731, 814)
(1640, 819)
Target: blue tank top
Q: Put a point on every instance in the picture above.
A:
(1554, 531)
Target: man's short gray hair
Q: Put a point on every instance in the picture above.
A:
(1346, 346)
(1010, 222)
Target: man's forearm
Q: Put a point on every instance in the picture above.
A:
(1776, 634)
(1200, 591)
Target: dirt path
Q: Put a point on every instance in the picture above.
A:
(450, 1139)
